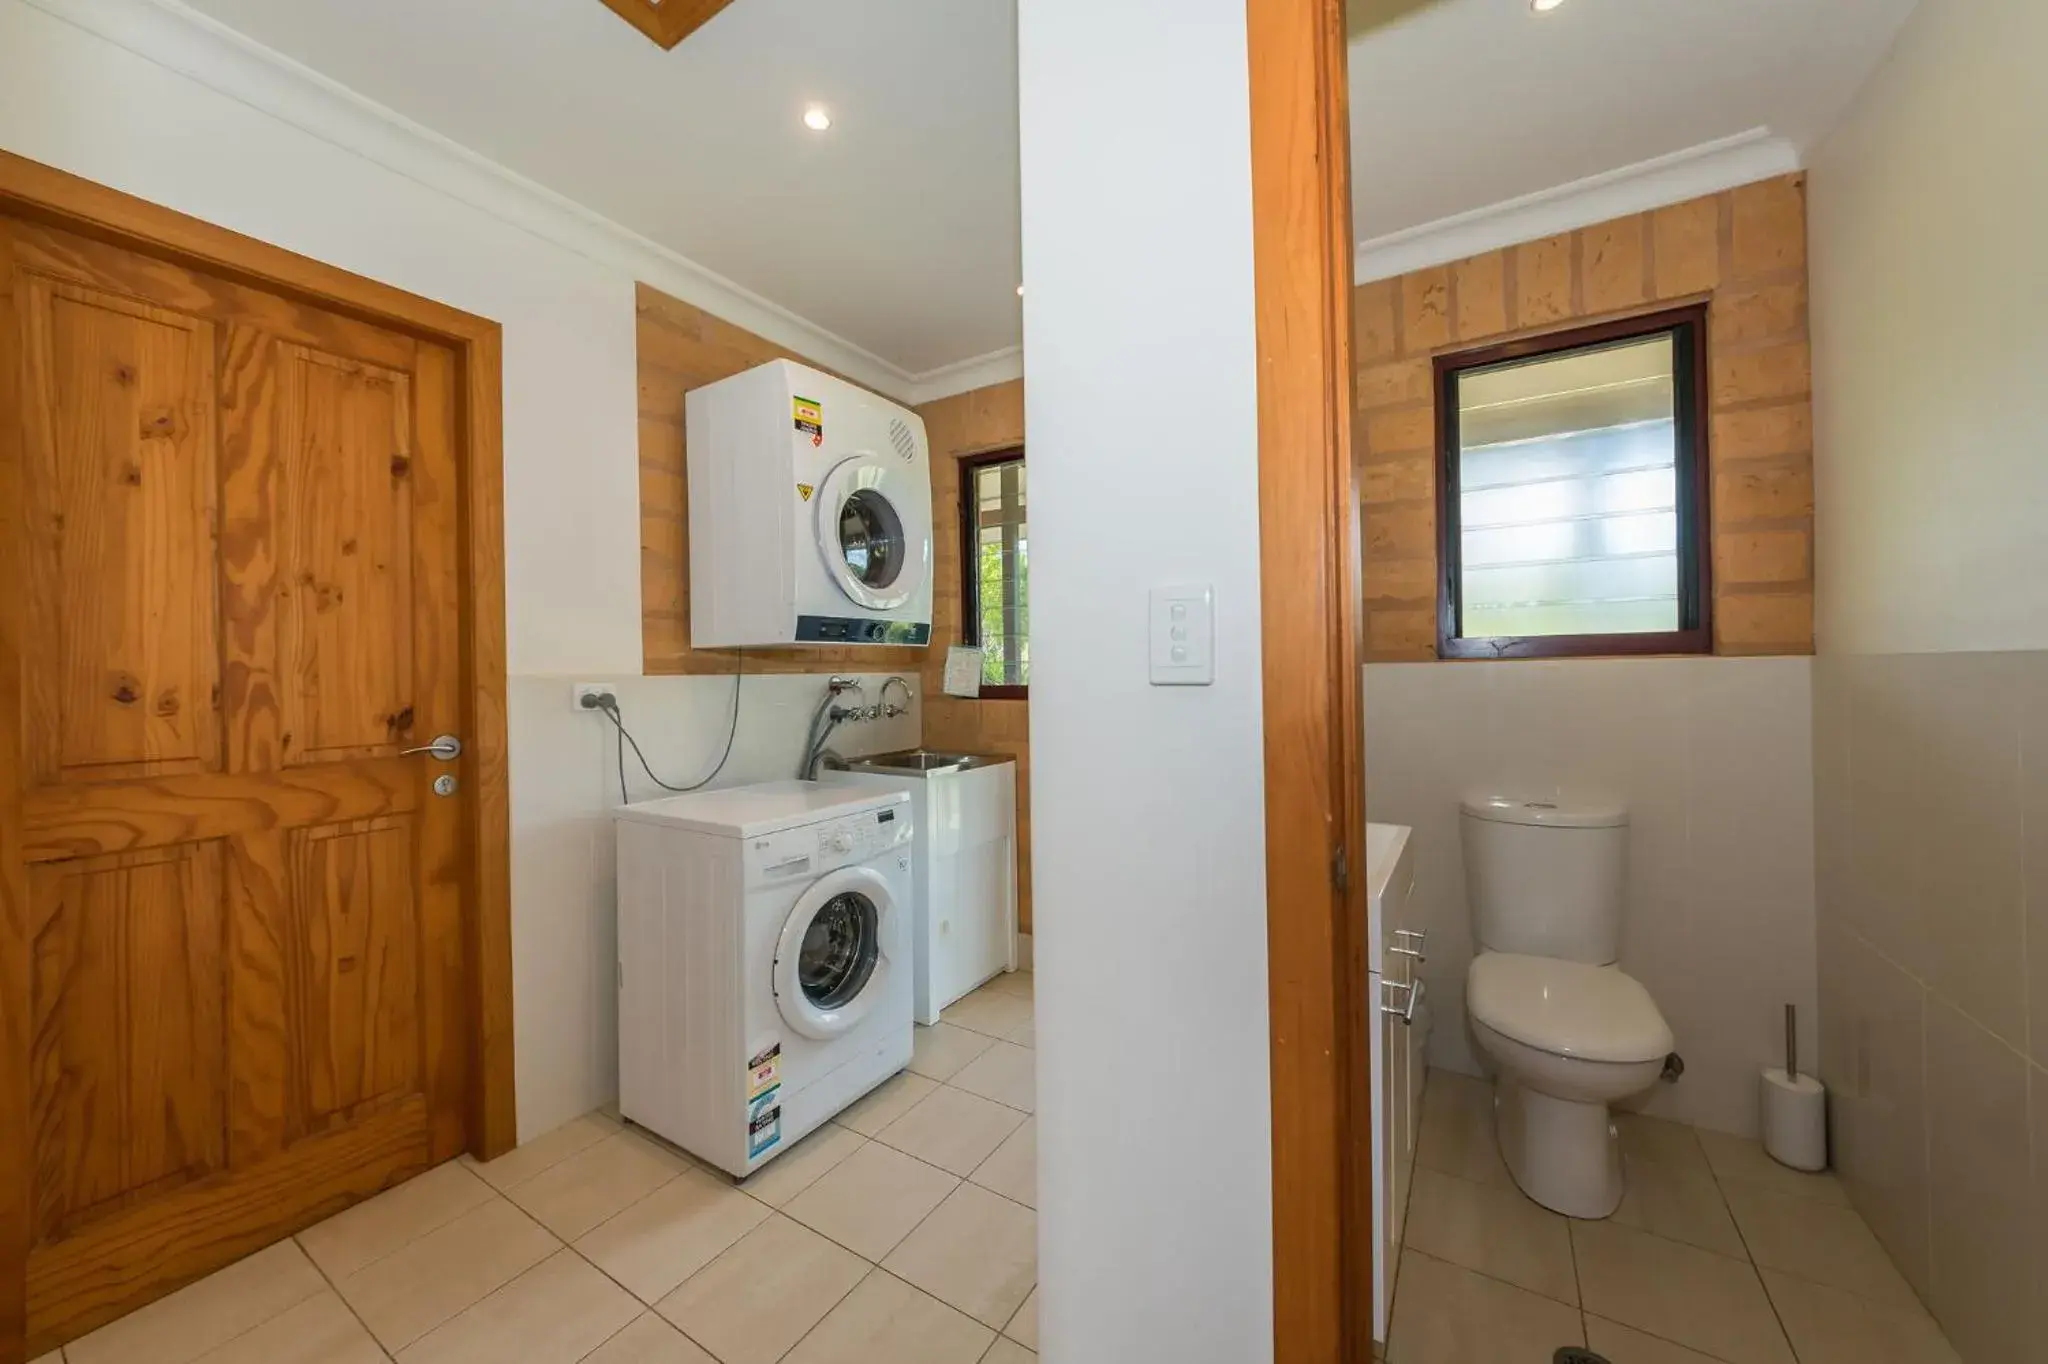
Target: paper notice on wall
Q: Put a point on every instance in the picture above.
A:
(963, 672)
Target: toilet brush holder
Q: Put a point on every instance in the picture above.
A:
(1794, 1109)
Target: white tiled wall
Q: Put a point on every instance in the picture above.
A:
(1931, 811)
(1712, 756)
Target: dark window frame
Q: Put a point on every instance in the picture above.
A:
(970, 560)
(1695, 634)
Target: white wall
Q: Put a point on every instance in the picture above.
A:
(1147, 803)
(1928, 293)
(1713, 758)
(82, 103)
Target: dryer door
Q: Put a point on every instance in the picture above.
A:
(874, 531)
(835, 956)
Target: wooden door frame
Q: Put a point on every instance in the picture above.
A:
(1312, 601)
(43, 194)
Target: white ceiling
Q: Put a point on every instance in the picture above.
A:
(897, 231)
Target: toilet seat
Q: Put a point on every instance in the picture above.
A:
(1566, 1008)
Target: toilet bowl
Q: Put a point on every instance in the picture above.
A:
(1567, 1031)
(1567, 1039)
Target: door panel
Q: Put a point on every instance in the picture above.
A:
(242, 604)
(129, 1058)
(119, 399)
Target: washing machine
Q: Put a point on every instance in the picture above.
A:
(764, 962)
(810, 513)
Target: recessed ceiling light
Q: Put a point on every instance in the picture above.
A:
(817, 119)
(1544, 6)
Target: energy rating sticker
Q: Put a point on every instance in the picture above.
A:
(810, 418)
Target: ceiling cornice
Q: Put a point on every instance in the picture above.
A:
(181, 39)
(1708, 168)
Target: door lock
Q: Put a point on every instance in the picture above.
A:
(445, 784)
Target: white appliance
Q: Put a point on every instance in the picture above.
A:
(1569, 1032)
(964, 924)
(764, 968)
(1395, 938)
(810, 513)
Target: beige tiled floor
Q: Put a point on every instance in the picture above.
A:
(903, 1233)
(1718, 1255)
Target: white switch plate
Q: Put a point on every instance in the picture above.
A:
(1183, 631)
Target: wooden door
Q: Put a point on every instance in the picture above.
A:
(235, 584)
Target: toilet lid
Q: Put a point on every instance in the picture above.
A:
(1567, 1008)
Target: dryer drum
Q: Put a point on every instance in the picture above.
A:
(840, 948)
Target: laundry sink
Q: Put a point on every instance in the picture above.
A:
(922, 760)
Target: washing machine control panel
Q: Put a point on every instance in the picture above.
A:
(820, 848)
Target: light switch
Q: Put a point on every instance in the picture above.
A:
(1183, 636)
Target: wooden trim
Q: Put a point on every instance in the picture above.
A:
(1695, 531)
(1312, 597)
(970, 580)
(16, 1169)
(44, 194)
(668, 22)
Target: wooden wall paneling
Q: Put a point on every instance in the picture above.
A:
(1323, 1242)
(16, 1141)
(682, 347)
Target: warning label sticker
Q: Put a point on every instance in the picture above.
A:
(810, 419)
(764, 1071)
(804, 490)
(764, 1123)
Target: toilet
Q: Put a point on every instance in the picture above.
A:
(1568, 1032)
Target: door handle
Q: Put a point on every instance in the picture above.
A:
(446, 747)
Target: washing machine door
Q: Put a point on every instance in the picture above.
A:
(833, 961)
(874, 530)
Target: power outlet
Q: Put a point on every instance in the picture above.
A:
(592, 697)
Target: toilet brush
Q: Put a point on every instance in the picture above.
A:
(1795, 1111)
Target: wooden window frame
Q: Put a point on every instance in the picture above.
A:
(970, 581)
(1695, 634)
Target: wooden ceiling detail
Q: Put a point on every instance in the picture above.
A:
(667, 22)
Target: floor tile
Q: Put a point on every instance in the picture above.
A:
(649, 1340)
(991, 1012)
(320, 1330)
(1672, 1145)
(655, 1244)
(1013, 1170)
(1007, 1351)
(1686, 1295)
(1026, 1036)
(796, 1169)
(206, 1314)
(555, 1313)
(1495, 1231)
(572, 1197)
(759, 1298)
(518, 1166)
(1817, 1241)
(54, 1357)
(1621, 1345)
(408, 1293)
(1024, 1326)
(1456, 1135)
(977, 1252)
(1681, 1201)
(1006, 1073)
(886, 1103)
(886, 1319)
(1014, 983)
(1831, 1326)
(394, 1219)
(941, 1051)
(872, 1200)
(1444, 1314)
(953, 1130)
(1739, 1158)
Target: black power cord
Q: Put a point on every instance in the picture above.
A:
(610, 707)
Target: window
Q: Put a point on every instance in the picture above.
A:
(996, 562)
(1572, 502)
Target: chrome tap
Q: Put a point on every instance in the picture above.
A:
(892, 711)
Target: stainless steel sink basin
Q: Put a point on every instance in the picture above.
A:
(922, 761)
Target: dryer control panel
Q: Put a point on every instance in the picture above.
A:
(818, 848)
